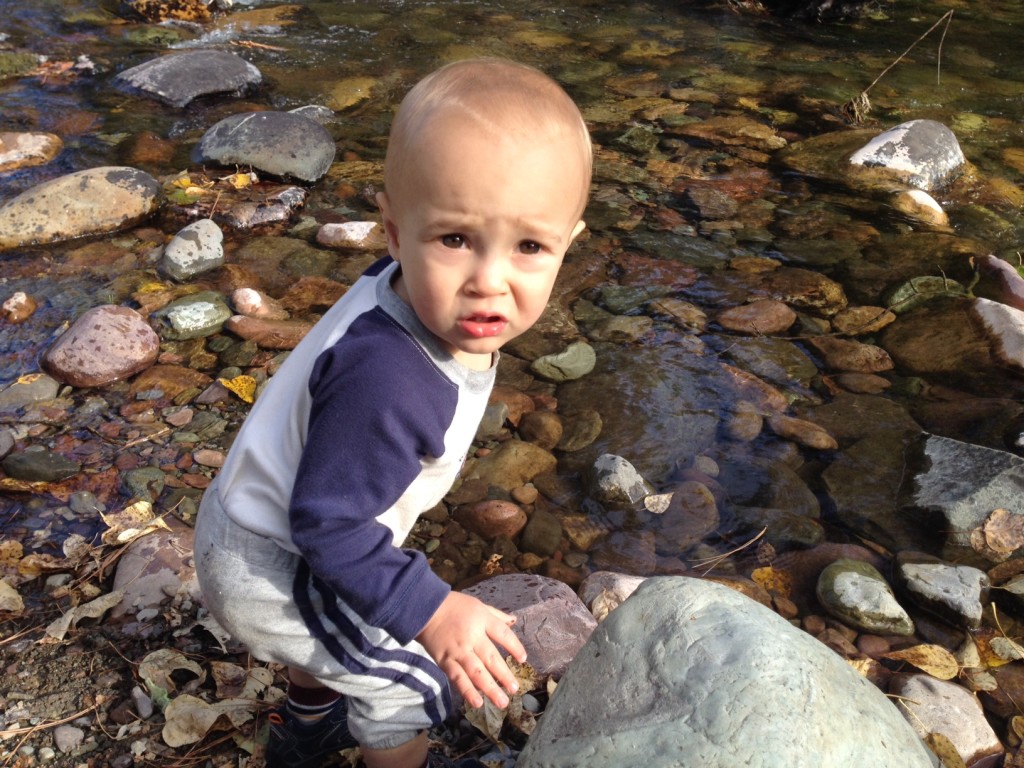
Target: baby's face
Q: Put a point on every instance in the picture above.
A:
(480, 226)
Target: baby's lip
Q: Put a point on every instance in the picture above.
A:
(482, 325)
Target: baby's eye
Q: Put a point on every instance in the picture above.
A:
(453, 241)
(529, 247)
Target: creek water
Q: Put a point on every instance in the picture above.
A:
(619, 61)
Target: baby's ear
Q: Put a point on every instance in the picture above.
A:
(390, 227)
(580, 226)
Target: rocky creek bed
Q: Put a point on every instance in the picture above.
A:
(763, 365)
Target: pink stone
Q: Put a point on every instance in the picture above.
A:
(106, 344)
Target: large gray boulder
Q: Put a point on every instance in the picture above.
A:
(279, 143)
(691, 673)
(178, 78)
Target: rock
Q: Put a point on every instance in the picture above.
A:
(68, 738)
(273, 209)
(956, 593)
(804, 289)
(104, 345)
(574, 362)
(492, 518)
(692, 515)
(616, 482)
(688, 672)
(36, 464)
(354, 235)
(856, 321)
(953, 487)
(178, 78)
(194, 316)
(512, 464)
(541, 427)
(280, 143)
(766, 316)
(744, 422)
(924, 153)
(197, 248)
(999, 281)
(801, 431)
(154, 569)
(542, 534)
(30, 388)
(862, 383)
(633, 552)
(580, 429)
(22, 150)
(919, 205)
(857, 594)
(850, 355)
(517, 403)
(18, 308)
(940, 706)
(89, 202)
(253, 303)
(1004, 326)
(604, 591)
(551, 621)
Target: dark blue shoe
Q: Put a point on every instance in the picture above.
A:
(295, 745)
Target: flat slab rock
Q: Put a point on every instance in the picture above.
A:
(691, 673)
(178, 78)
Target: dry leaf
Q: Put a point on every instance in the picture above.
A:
(11, 553)
(932, 659)
(983, 638)
(243, 386)
(132, 522)
(1004, 531)
(944, 750)
(10, 600)
(862, 666)
(91, 610)
(603, 604)
(155, 671)
(236, 682)
(773, 580)
(35, 565)
(488, 719)
(1006, 649)
(189, 718)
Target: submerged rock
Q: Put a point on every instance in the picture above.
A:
(21, 150)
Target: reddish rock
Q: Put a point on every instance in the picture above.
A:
(106, 344)
(765, 317)
(268, 334)
(492, 518)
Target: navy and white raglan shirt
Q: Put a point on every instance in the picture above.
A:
(366, 425)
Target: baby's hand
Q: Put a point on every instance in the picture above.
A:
(460, 636)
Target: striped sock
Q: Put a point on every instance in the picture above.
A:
(309, 705)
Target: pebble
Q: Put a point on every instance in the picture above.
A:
(574, 362)
(616, 482)
(766, 316)
(18, 308)
(492, 518)
(857, 594)
(197, 248)
(25, 149)
(355, 235)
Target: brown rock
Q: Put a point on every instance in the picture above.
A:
(106, 344)
(764, 317)
(518, 403)
(21, 150)
(268, 334)
(744, 422)
(802, 432)
(492, 518)
(692, 514)
(542, 428)
(18, 308)
(253, 303)
(862, 383)
(172, 380)
(849, 355)
(804, 289)
(766, 397)
(857, 321)
(512, 464)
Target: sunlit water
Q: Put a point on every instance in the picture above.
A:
(968, 74)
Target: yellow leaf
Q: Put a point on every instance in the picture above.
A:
(183, 181)
(944, 750)
(243, 386)
(241, 180)
(983, 638)
(10, 553)
(773, 580)
(933, 659)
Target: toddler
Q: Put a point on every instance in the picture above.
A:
(368, 422)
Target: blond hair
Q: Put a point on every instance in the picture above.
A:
(500, 96)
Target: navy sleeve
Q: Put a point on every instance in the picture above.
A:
(379, 406)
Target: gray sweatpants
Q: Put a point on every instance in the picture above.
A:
(264, 596)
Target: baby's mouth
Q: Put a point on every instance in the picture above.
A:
(482, 326)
